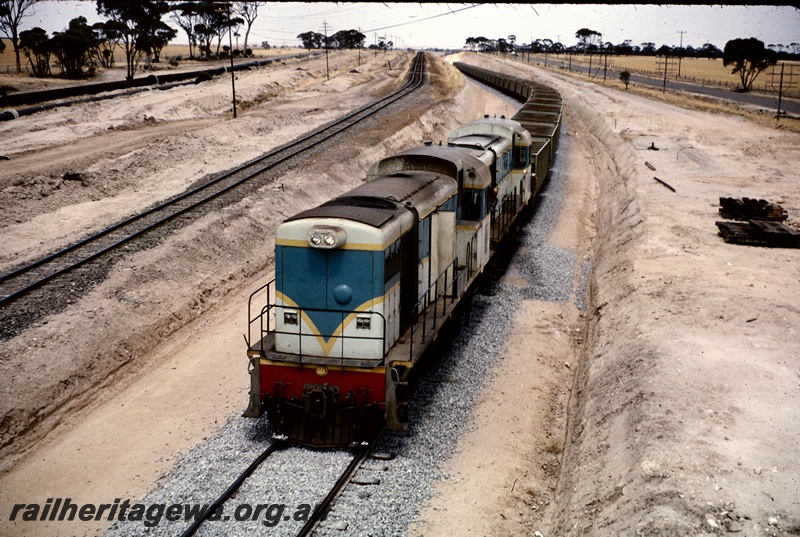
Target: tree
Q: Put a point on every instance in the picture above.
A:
(503, 46)
(625, 48)
(588, 39)
(106, 39)
(311, 40)
(36, 46)
(11, 14)
(710, 51)
(186, 15)
(153, 40)
(247, 11)
(480, 43)
(136, 21)
(649, 49)
(71, 48)
(214, 19)
(347, 39)
(749, 57)
(664, 50)
(625, 78)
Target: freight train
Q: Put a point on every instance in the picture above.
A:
(365, 282)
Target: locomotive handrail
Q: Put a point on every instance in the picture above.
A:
(260, 317)
(422, 309)
(510, 209)
(271, 323)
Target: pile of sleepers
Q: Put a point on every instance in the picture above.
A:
(758, 223)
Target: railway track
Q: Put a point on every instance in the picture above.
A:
(319, 513)
(29, 292)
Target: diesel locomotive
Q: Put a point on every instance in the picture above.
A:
(365, 282)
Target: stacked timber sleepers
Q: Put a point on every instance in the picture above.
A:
(759, 223)
(747, 208)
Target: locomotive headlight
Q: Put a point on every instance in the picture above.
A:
(326, 237)
(290, 317)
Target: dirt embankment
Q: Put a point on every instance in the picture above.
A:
(683, 418)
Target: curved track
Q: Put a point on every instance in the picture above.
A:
(58, 269)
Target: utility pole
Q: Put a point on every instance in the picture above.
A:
(227, 11)
(233, 78)
(680, 52)
(325, 44)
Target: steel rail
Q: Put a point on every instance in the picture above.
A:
(276, 156)
(322, 509)
(225, 496)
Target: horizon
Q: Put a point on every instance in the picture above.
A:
(448, 26)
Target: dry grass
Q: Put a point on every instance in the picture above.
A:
(444, 78)
(178, 53)
(710, 69)
(8, 60)
(683, 99)
(700, 70)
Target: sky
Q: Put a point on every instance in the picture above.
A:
(448, 25)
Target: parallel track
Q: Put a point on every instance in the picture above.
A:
(58, 269)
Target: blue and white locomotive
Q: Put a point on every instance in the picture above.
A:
(366, 281)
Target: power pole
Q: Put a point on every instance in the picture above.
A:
(221, 9)
(325, 44)
(680, 53)
(233, 78)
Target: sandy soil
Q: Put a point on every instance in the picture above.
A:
(683, 414)
(678, 411)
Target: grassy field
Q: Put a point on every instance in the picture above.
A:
(706, 71)
(679, 98)
(8, 60)
(699, 70)
(10, 80)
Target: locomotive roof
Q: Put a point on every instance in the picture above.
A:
(445, 159)
(482, 141)
(390, 196)
(492, 126)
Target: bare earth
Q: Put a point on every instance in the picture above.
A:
(671, 407)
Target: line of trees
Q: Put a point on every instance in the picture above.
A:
(590, 41)
(343, 39)
(749, 57)
(136, 27)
